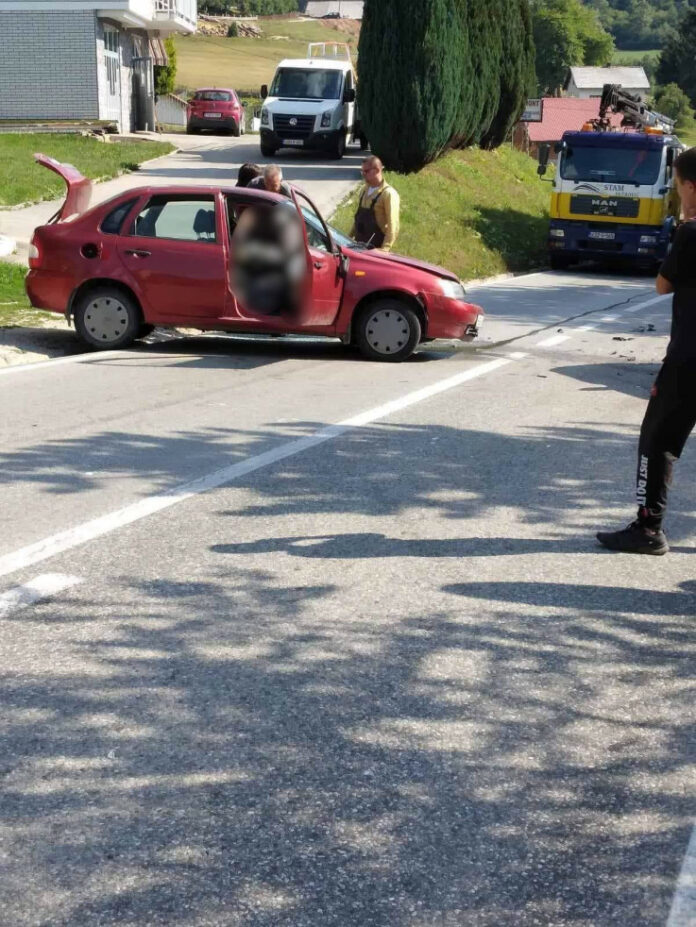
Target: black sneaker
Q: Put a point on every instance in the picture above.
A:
(636, 539)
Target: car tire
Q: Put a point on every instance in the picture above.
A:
(236, 131)
(363, 143)
(145, 330)
(387, 330)
(268, 150)
(191, 131)
(107, 318)
(339, 146)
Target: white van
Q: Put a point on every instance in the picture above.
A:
(311, 103)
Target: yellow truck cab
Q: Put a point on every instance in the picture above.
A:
(613, 192)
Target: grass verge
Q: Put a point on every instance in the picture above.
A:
(245, 64)
(477, 213)
(15, 308)
(24, 181)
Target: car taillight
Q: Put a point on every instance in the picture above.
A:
(34, 256)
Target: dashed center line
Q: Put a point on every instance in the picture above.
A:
(41, 587)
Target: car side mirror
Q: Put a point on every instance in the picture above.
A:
(244, 102)
(544, 154)
(349, 95)
(670, 157)
(264, 91)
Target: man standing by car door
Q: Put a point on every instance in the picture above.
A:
(377, 219)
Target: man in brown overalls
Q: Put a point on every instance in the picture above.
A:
(377, 219)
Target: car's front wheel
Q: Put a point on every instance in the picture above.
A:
(107, 318)
(388, 330)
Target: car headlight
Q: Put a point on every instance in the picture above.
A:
(453, 289)
(265, 121)
(326, 119)
(648, 239)
(557, 233)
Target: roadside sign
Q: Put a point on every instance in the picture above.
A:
(534, 111)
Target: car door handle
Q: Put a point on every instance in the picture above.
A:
(319, 265)
(138, 253)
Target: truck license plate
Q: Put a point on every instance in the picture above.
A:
(293, 142)
(602, 236)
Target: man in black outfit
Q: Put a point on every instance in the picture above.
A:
(671, 413)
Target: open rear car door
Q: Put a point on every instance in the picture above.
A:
(79, 188)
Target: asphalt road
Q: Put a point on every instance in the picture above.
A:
(258, 670)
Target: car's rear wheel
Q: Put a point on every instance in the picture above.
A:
(388, 330)
(236, 131)
(191, 131)
(107, 318)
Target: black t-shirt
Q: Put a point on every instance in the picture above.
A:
(679, 268)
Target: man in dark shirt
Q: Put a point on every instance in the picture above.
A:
(671, 412)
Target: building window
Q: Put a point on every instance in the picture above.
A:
(111, 58)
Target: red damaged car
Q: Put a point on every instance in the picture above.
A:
(166, 256)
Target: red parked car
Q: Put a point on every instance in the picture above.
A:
(215, 109)
(166, 256)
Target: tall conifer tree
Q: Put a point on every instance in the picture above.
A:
(410, 79)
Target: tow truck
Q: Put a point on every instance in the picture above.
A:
(613, 192)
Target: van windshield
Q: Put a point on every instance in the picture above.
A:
(307, 84)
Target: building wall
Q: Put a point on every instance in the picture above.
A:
(48, 65)
(131, 44)
(596, 92)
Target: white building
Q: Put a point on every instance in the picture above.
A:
(586, 83)
(85, 59)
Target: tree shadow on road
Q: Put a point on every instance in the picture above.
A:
(229, 752)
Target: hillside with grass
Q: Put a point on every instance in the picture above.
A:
(477, 213)
(246, 63)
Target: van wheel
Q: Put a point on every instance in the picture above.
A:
(106, 318)
(339, 148)
(268, 150)
(388, 330)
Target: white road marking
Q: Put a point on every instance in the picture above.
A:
(608, 318)
(554, 339)
(41, 587)
(586, 328)
(648, 302)
(98, 527)
(683, 910)
(57, 361)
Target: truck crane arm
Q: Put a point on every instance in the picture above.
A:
(635, 113)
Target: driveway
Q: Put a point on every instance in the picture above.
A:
(205, 160)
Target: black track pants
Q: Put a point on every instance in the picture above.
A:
(668, 422)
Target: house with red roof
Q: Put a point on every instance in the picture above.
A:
(558, 115)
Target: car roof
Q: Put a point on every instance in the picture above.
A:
(222, 89)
